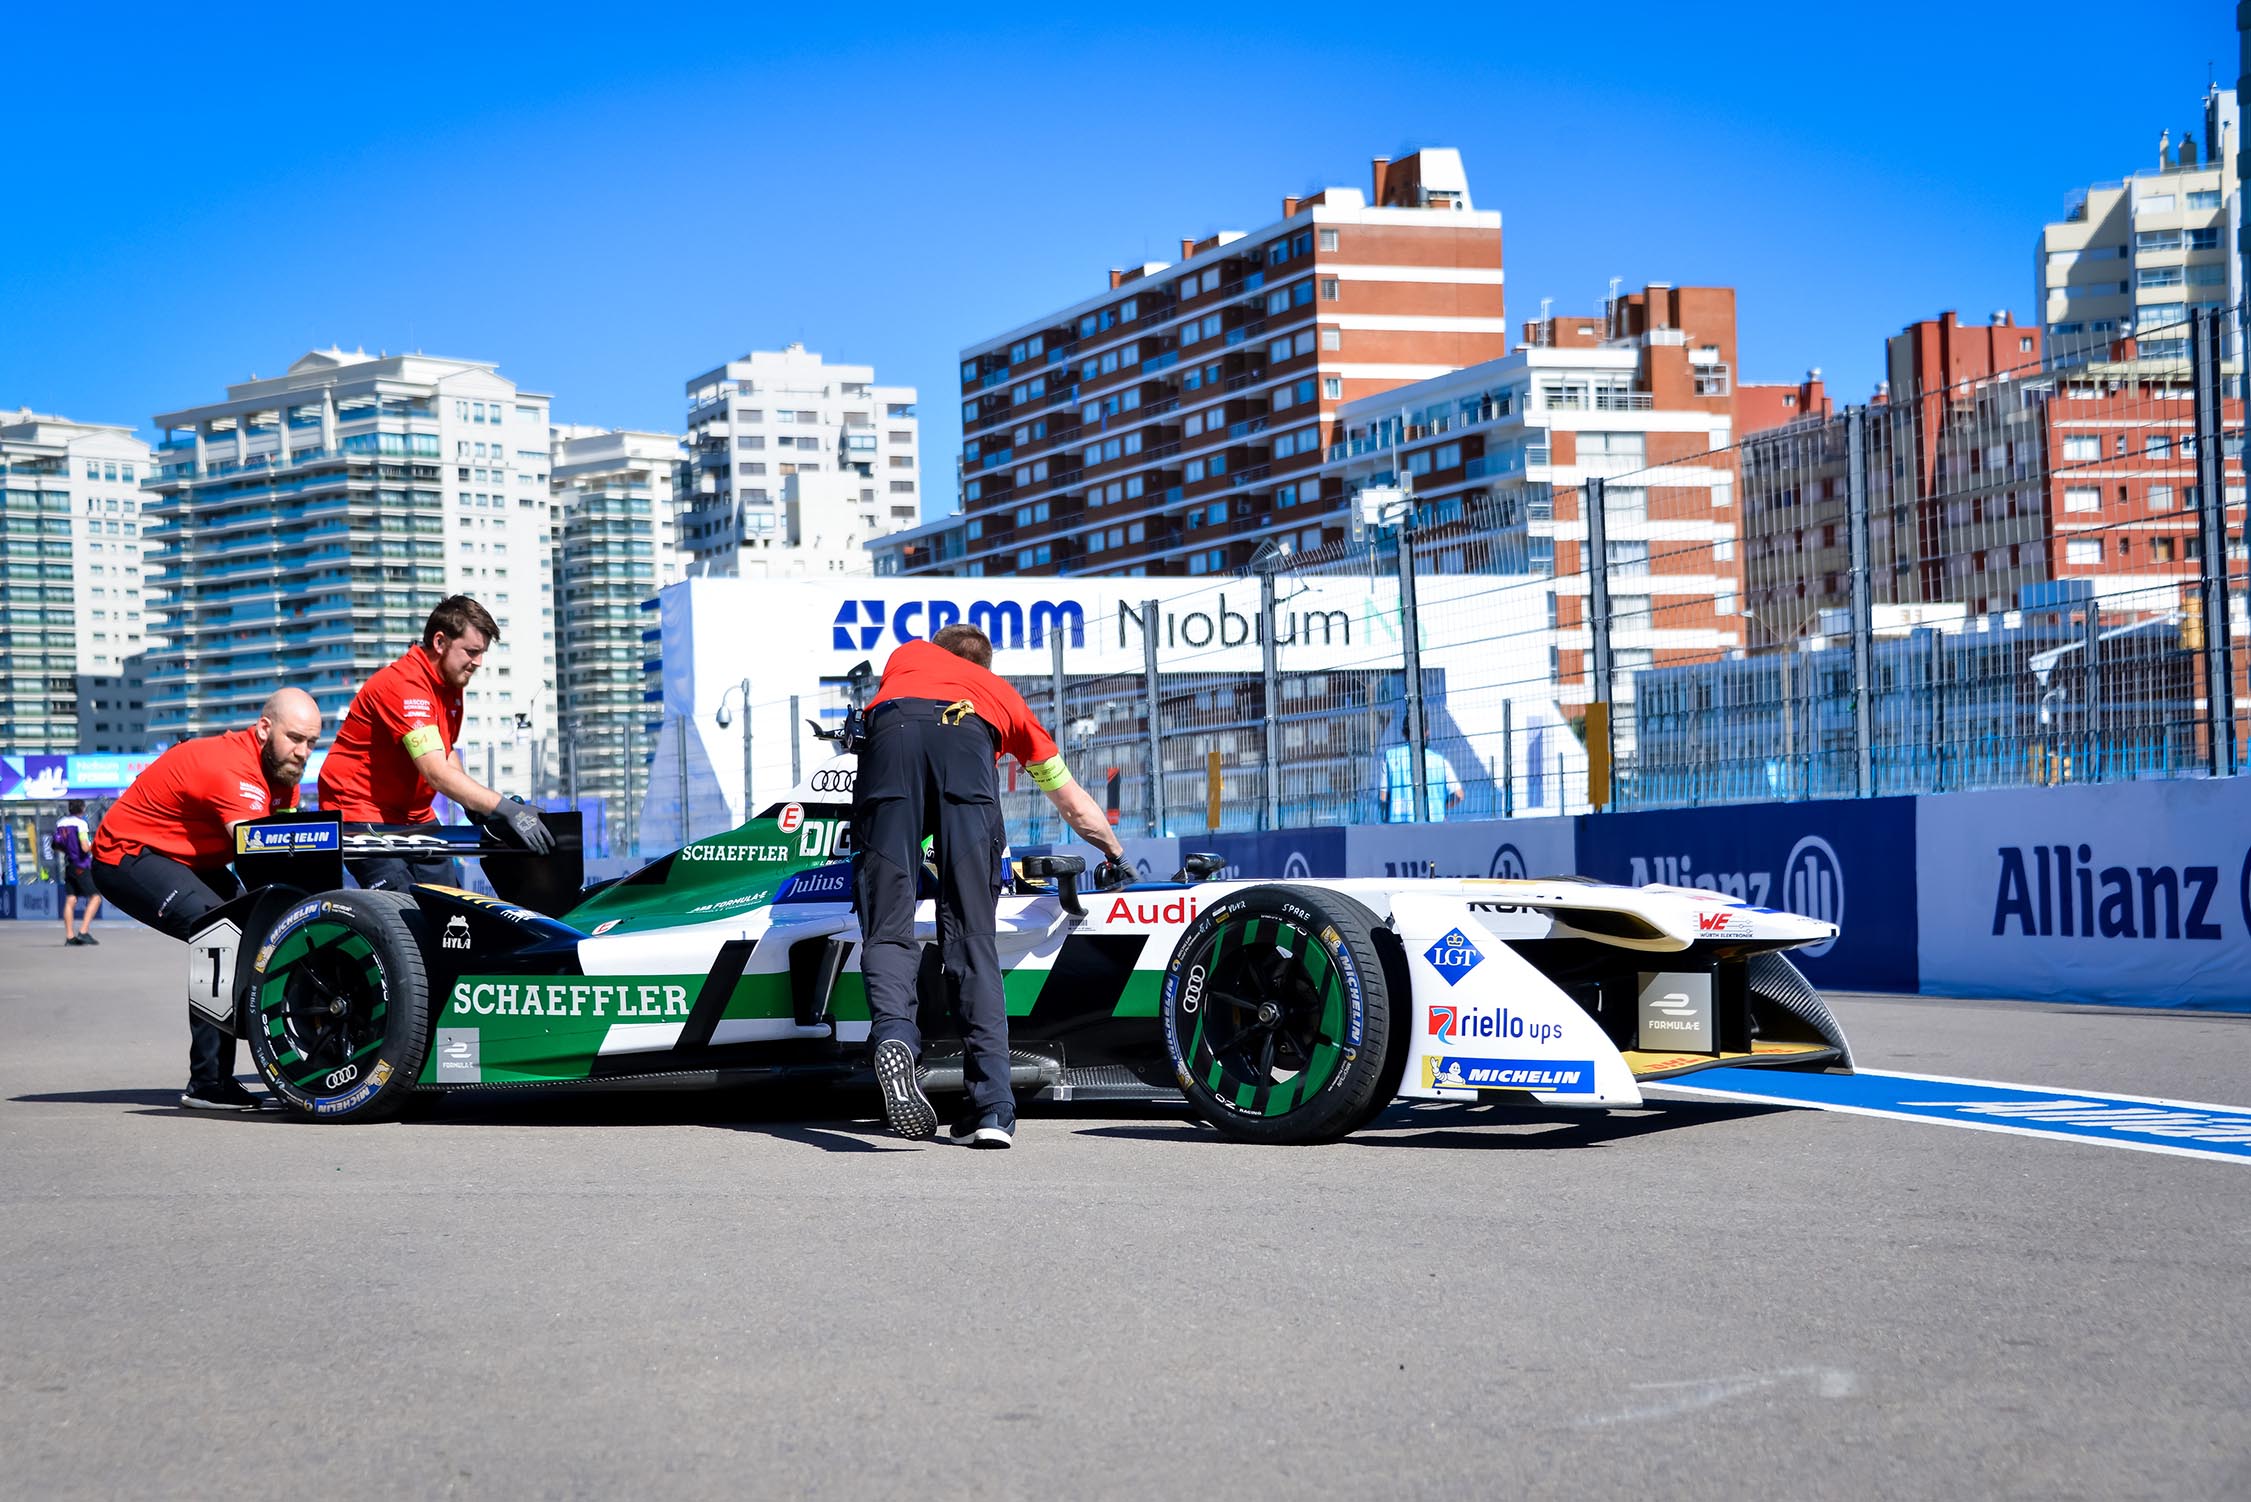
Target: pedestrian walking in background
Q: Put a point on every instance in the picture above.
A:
(73, 847)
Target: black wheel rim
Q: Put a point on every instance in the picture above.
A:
(323, 1005)
(1269, 1031)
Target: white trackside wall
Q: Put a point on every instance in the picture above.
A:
(801, 636)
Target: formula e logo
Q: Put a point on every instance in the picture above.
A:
(456, 934)
(1508, 864)
(860, 623)
(1813, 883)
(1297, 867)
(1453, 957)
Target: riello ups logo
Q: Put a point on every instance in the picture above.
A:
(2070, 892)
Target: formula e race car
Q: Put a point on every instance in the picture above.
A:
(1284, 1013)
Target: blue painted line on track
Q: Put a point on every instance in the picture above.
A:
(2142, 1123)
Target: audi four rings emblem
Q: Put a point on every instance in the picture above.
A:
(834, 780)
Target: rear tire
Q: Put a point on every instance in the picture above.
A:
(1277, 1015)
(337, 1012)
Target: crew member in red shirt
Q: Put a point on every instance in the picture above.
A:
(163, 851)
(394, 750)
(938, 724)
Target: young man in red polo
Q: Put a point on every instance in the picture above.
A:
(937, 726)
(394, 750)
(164, 850)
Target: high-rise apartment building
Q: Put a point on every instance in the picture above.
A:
(305, 525)
(616, 544)
(72, 614)
(1165, 423)
(1498, 455)
(756, 423)
(2133, 257)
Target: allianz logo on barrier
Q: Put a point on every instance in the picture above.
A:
(2062, 891)
(862, 624)
(1811, 882)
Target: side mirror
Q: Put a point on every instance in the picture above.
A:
(1201, 866)
(1064, 871)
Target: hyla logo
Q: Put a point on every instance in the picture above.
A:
(1453, 957)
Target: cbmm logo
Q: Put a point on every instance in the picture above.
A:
(860, 623)
(1813, 883)
(1453, 957)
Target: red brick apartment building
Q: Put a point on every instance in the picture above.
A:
(1167, 423)
(1988, 474)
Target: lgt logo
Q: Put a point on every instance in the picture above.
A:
(1453, 957)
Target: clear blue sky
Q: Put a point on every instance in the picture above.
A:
(607, 209)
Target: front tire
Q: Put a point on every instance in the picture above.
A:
(1277, 1015)
(337, 1013)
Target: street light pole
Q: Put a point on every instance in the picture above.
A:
(725, 719)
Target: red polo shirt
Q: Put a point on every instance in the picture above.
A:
(183, 802)
(402, 712)
(918, 670)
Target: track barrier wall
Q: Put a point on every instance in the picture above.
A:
(2134, 894)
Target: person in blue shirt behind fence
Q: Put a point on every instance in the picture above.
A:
(1397, 792)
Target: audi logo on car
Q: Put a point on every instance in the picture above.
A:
(344, 1076)
(832, 780)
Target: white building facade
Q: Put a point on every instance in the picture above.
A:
(757, 423)
(2134, 257)
(305, 525)
(74, 619)
(617, 542)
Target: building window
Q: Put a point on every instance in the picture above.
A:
(1330, 289)
(1332, 338)
(1332, 387)
(2082, 498)
(2084, 550)
(1328, 239)
(2084, 446)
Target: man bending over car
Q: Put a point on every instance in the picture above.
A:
(394, 751)
(164, 851)
(938, 724)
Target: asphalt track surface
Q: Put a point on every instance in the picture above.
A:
(721, 1296)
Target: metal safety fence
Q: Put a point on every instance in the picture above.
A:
(1570, 598)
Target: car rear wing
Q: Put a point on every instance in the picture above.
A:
(307, 849)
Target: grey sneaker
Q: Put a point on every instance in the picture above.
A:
(904, 1105)
(227, 1095)
(985, 1130)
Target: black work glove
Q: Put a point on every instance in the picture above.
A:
(517, 822)
(1111, 875)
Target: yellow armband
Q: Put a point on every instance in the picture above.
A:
(1050, 774)
(422, 740)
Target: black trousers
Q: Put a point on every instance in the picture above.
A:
(922, 777)
(173, 899)
(396, 873)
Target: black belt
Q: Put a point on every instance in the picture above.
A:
(942, 711)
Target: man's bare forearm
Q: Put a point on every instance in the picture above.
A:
(1082, 813)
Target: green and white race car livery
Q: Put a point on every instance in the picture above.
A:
(1282, 1012)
